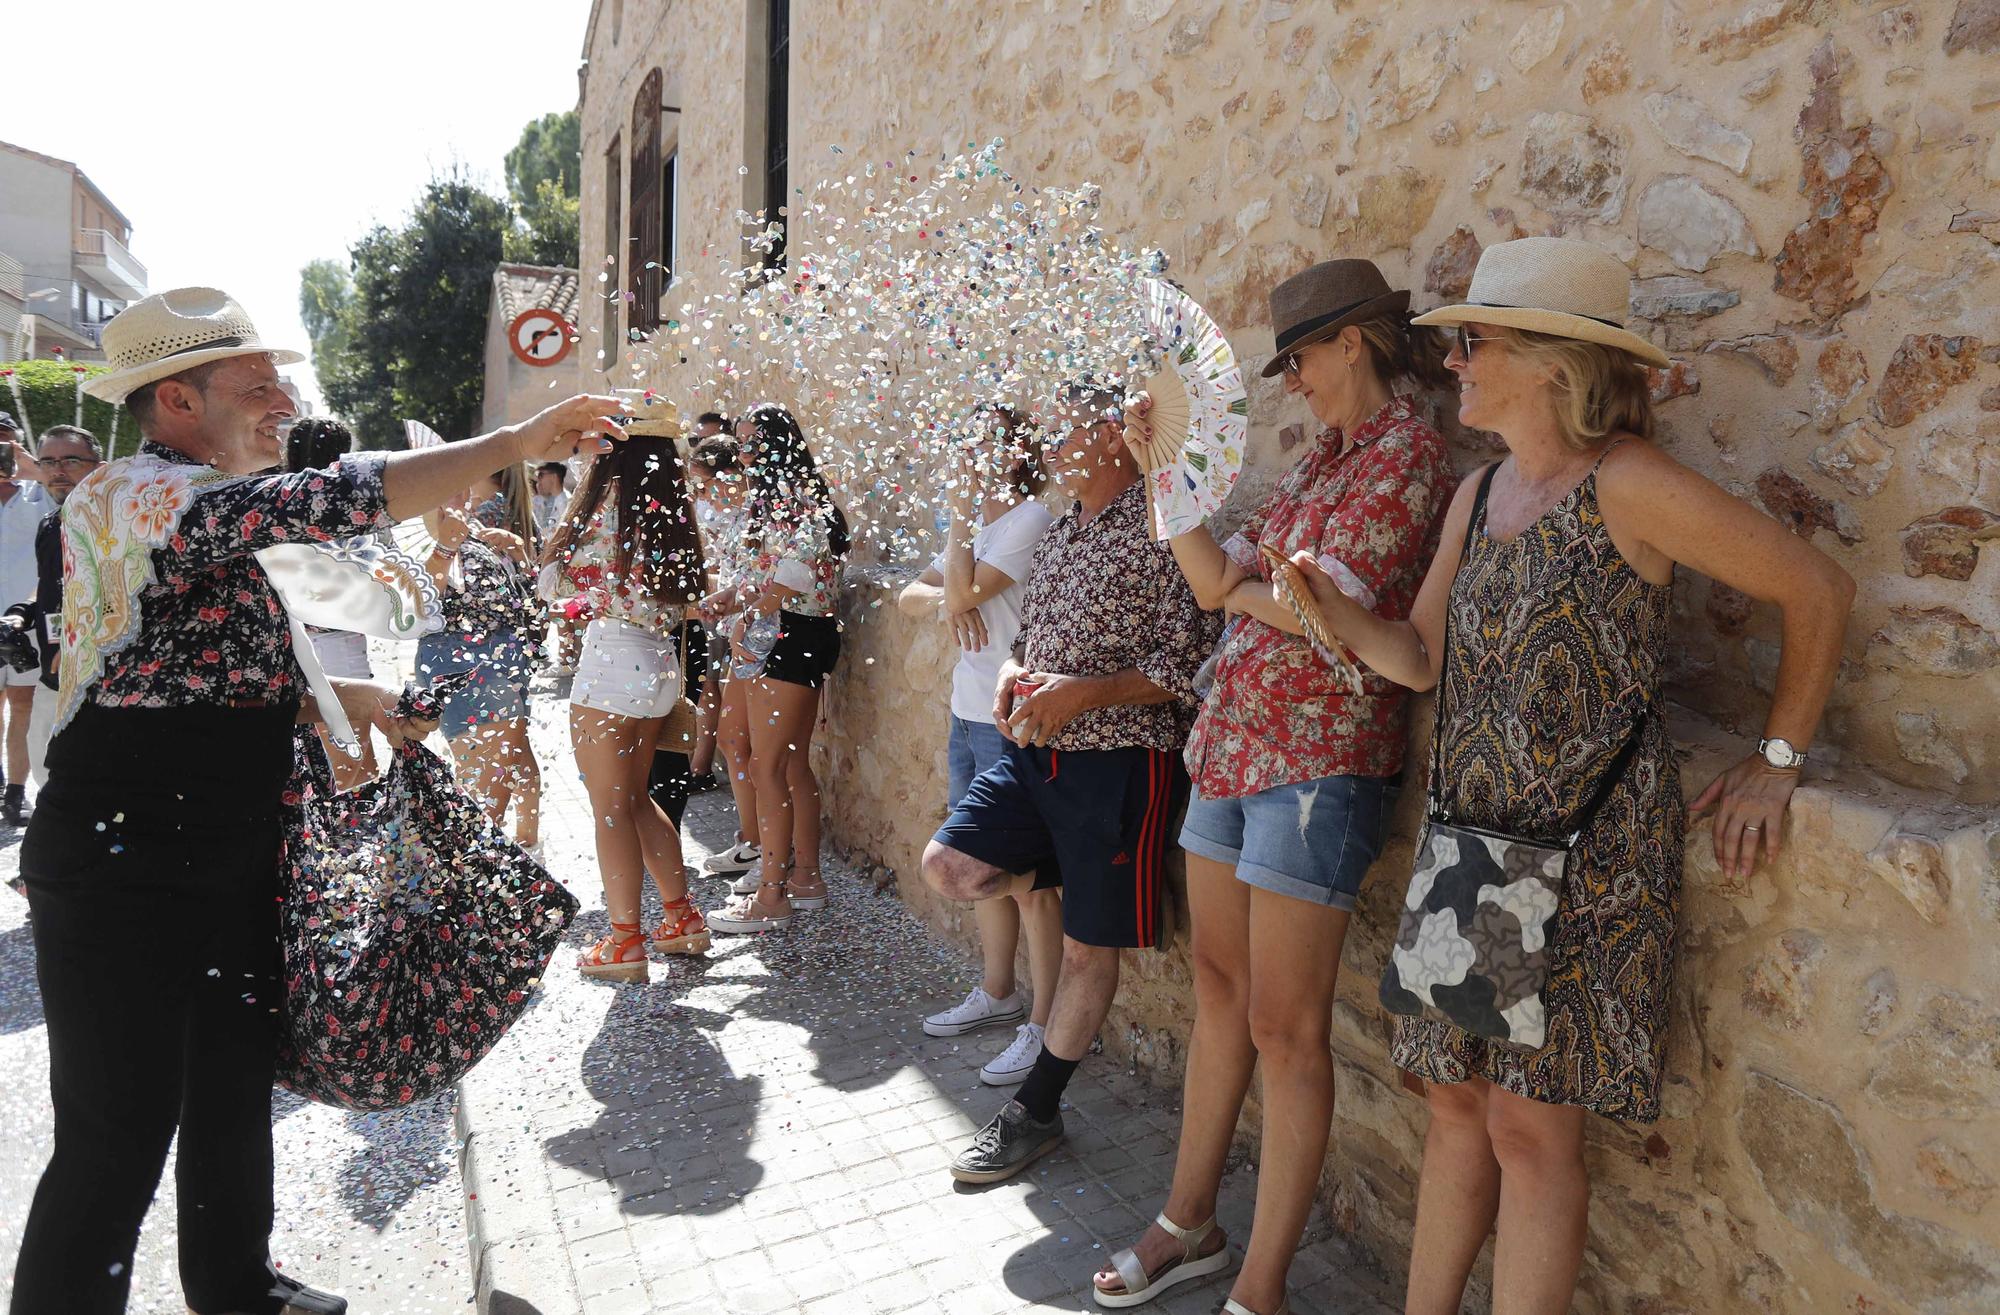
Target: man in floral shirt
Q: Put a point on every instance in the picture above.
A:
(1096, 703)
(159, 826)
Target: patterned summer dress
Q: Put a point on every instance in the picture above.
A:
(1556, 645)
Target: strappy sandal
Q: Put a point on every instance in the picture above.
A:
(1141, 1287)
(1234, 1307)
(619, 957)
(737, 919)
(808, 902)
(682, 932)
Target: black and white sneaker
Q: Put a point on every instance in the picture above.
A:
(1007, 1145)
(740, 858)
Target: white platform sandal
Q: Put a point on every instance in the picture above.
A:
(1235, 1307)
(736, 919)
(1141, 1287)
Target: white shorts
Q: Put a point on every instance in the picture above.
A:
(17, 679)
(626, 671)
(343, 653)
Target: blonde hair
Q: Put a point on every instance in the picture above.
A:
(1599, 390)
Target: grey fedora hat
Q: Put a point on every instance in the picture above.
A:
(1316, 303)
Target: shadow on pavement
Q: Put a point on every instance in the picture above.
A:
(21, 1002)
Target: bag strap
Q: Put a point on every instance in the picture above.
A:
(1580, 820)
(1472, 526)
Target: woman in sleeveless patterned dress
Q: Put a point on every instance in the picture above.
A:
(1557, 566)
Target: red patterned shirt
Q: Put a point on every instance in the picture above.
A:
(1277, 714)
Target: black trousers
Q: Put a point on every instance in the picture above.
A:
(156, 925)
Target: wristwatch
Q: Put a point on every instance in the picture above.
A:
(1780, 754)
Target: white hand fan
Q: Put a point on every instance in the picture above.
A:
(1200, 413)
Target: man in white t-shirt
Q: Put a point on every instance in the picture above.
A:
(23, 506)
(974, 586)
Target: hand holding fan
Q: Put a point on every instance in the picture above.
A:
(1292, 588)
(1199, 413)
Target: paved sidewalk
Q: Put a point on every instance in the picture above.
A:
(767, 1130)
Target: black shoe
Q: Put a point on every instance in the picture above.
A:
(1007, 1145)
(302, 1300)
(15, 812)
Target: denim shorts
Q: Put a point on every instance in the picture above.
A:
(498, 691)
(1312, 840)
(974, 747)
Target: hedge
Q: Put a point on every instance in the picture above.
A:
(46, 391)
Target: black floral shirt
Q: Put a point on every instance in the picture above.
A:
(487, 600)
(1102, 596)
(211, 629)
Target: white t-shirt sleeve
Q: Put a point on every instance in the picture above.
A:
(1011, 548)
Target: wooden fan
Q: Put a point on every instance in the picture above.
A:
(1292, 588)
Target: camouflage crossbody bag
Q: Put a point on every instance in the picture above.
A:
(1473, 945)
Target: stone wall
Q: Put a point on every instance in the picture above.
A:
(1806, 191)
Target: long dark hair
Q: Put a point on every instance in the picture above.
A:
(315, 443)
(784, 476)
(656, 528)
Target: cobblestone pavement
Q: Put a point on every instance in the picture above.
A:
(765, 1130)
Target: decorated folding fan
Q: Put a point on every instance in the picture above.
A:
(1199, 415)
(1292, 588)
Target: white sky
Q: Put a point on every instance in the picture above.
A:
(244, 138)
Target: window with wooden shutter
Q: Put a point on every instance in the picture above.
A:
(647, 230)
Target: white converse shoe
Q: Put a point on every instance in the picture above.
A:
(977, 1010)
(740, 857)
(1012, 1065)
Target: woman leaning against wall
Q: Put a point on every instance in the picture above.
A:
(1543, 621)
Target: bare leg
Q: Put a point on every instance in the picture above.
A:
(1089, 984)
(999, 923)
(604, 744)
(659, 839)
(1544, 1202)
(803, 786)
(780, 726)
(523, 776)
(1041, 919)
(734, 727)
(20, 706)
(1295, 953)
(1220, 1058)
(707, 729)
(1458, 1194)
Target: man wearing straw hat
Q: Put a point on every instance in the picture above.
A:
(152, 862)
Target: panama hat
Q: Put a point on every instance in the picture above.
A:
(1552, 285)
(653, 416)
(1313, 305)
(169, 332)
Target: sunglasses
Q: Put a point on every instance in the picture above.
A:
(71, 465)
(1290, 365)
(1464, 339)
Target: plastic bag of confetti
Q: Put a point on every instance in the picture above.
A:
(414, 932)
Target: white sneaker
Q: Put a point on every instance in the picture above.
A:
(1013, 1064)
(741, 857)
(977, 1010)
(747, 883)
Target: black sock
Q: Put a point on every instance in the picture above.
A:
(1041, 1093)
(16, 793)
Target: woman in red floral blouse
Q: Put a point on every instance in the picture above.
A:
(1295, 773)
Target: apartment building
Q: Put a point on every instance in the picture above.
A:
(66, 264)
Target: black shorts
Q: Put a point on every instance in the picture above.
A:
(806, 650)
(1101, 817)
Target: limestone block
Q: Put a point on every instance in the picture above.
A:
(1778, 985)
(1945, 1065)
(1536, 39)
(1573, 168)
(1323, 98)
(1773, 353)
(1925, 367)
(1856, 458)
(1692, 224)
(1880, 995)
(1949, 1174)
(1975, 26)
(1810, 1164)
(1840, 373)
(1409, 78)
(1914, 868)
(1607, 72)
(1922, 740)
(1678, 296)
(1751, 28)
(1933, 641)
(1946, 543)
(1689, 128)
(1448, 273)
(1788, 498)
(1306, 197)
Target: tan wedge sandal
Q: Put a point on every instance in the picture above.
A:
(619, 957)
(682, 930)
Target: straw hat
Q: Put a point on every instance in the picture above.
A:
(168, 332)
(653, 417)
(1552, 285)
(1313, 305)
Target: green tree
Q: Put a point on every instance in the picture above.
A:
(550, 150)
(549, 232)
(325, 293)
(415, 324)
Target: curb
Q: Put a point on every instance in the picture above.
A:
(519, 1265)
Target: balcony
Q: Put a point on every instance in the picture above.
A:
(108, 261)
(13, 280)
